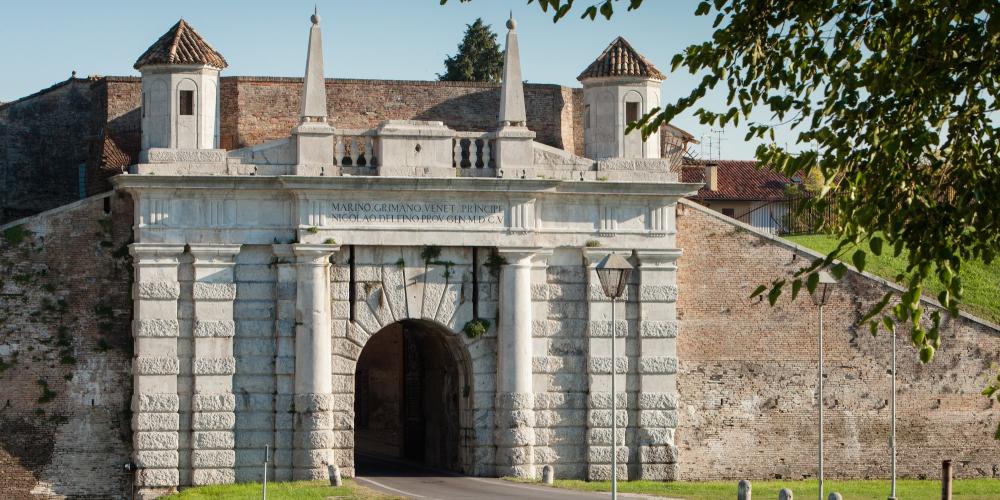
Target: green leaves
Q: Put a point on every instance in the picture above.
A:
(478, 59)
(858, 259)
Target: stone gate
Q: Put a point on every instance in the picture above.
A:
(262, 274)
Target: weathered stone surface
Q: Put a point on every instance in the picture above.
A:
(147, 365)
(221, 421)
(157, 459)
(213, 440)
(658, 329)
(657, 401)
(157, 477)
(213, 402)
(157, 290)
(213, 458)
(658, 293)
(214, 291)
(155, 328)
(155, 403)
(203, 328)
(155, 440)
(155, 422)
(213, 476)
(213, 366)
(658, 364)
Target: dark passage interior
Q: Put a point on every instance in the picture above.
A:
(406, 397)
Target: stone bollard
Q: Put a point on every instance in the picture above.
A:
(548, 475)
(835, 496)
(335, 479)
(785, 494)
(743, 490)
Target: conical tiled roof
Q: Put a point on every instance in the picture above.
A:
(620, 59)
(181, 44)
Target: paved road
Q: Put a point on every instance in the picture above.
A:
(397, 478)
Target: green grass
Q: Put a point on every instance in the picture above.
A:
(298, 490)
(910, 489)
(979, 281)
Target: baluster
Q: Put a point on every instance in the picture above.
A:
(339, 151)
(354, 151)
(368, 151)
(473, 153)
(486, 152)
(456, 155)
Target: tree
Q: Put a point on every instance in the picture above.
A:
(479, 58)
(899, 99)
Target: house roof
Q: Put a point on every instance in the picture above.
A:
(737, 180)
(620, 59)
(181, 44)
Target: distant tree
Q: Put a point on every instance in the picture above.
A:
(479, 58)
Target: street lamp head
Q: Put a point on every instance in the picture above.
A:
(826, 281)
(613, 271)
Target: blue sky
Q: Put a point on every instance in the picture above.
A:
(44, 40)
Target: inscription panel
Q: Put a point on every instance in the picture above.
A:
(457, 214)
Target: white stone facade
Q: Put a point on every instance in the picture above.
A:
(261, 274)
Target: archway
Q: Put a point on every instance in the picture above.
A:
(408, 396)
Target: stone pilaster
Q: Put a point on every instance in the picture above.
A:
(284, 362)
(657, 365)
(213, 403)
(313, 438)
(515, 415)
(599, 373)
(155, 404)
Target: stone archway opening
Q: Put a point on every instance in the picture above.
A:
(408, 396)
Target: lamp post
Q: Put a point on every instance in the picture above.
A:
(825, 281)
(892, 439)
(613, 271)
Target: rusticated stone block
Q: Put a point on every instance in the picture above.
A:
(155, 403)
(658, 472)
(213, 366)
(658, 418)
(156, 458)
(658, 364)
(658, 329)
(214, 291)
(147, 365)
(155, 440)
(212, 476)
(213, 402)
(223, 328)
(213, 459)
(155, 328)
(156, 478)
(657, 401)
(213, 440)
(662, 454)
(155, 422)
(157, 290)
(215, 421)
(658, 293)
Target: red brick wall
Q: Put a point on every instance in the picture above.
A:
(748, 372)
(257, 109)
(65, 346)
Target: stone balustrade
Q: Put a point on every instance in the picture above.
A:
(355, 148)
(474, 150)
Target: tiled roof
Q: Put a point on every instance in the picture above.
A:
(737, 180)
(620, 59)
(181, 44)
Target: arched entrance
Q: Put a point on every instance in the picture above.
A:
(408, 396)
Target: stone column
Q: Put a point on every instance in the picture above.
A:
(658, 364)
(515, 415)
(213, 405)
(155, 403)
(313, 439)
(284, 361)
(599, 373)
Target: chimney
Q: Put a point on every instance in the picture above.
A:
(712, 177)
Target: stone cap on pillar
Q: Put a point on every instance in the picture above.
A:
(307, 253)
(666, 258)
(214, 254)
(155, 251)
(523, 255)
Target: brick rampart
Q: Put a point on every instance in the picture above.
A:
(65, 351)
(748, 372)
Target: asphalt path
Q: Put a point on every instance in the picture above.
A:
(413, 481)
